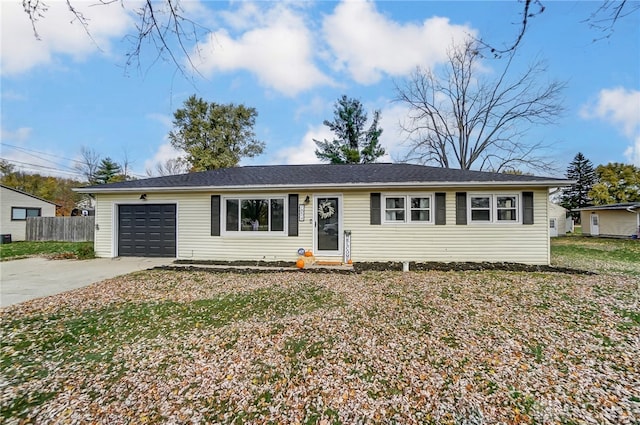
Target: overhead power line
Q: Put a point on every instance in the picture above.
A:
(38, 167)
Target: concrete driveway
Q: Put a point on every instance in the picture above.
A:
(29, 278)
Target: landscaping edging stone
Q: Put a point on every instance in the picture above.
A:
(285, 266)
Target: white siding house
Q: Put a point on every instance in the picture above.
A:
(559, 223)
(362, 213)
(16, 206)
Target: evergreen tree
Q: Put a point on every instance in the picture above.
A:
(353, 144)
(577, 195)
(108, 172)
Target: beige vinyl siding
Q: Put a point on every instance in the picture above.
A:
(617, 223)
(387, 242)
(429, 242)
(194, 238)
(18, 228)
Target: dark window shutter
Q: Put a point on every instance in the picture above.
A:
(441, 208)
(293, 215)
(215, 215)
(527, 207)
(461, 207)
(376, 218)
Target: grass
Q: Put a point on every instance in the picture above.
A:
(597, 254)
(378, 347)
(23, 249)
(88, 340)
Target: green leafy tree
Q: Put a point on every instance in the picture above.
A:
(577, 195)
(108, 172)
(352, 144)
(617, 182)
(213, 135)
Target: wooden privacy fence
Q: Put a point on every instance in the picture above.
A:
(69, 229)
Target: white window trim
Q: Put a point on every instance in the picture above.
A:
(240, 233)
(407, 208)
(493, 208)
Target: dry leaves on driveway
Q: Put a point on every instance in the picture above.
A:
(377, 347)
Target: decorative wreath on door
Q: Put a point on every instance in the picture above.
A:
(326, 210)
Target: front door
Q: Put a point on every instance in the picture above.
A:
(595, 225)
(328, 225)
(553, 227)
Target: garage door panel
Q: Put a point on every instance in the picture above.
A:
(147, 230)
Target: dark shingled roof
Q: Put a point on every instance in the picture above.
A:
(323, 174)
(620, 206)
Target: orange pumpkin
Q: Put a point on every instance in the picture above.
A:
(300, 263)
(308, 254)
(350, 261)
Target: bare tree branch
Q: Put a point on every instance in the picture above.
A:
(161, 23)
(603, 19)
(88, 163)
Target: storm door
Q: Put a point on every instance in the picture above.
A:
(328, 225)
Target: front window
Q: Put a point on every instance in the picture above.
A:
(480, 208)
(506, 208)
(254, 215)
(494, 208)
(20, 213)
(420, 209)
(407, 209)
(394, 209)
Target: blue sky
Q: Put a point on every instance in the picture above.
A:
(291, 60)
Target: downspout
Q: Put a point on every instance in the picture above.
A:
(632, 210)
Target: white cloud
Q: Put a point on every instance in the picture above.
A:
(163, 119)
(392, 137)
(59, 33)
(15, 136)
(368, 44)
(620, 108)
(165, 152)
(304, 152)
(278, 50)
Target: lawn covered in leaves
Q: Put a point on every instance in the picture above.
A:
(597, 254)
(377, 347)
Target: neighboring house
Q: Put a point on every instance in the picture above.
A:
(364, 212)
(613, 220)
(16, 206)
(559, 223)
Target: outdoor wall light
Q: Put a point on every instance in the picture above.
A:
(143, 197)
(307, 200)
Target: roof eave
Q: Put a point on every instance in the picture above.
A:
(391, 185)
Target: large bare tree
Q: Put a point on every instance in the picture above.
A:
(464, 117)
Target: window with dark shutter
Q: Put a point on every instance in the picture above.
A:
(293, 215)
(215, 215)
(527, 207)
(375, 209)
(441, 208)
(461, 207)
